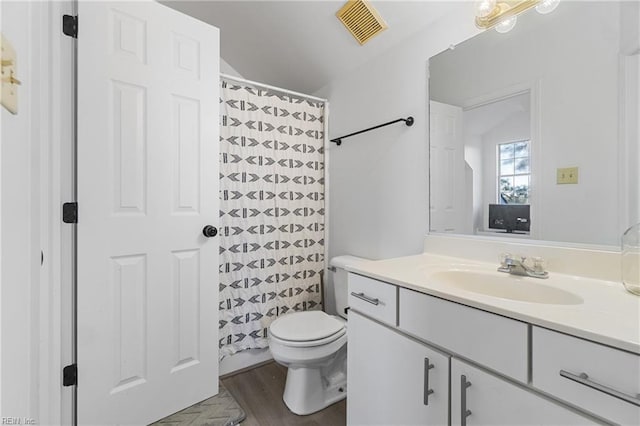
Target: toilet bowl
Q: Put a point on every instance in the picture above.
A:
(316, 375)
(313, 346)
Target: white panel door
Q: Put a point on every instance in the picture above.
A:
(147, 185)
(389, 378)
(447, 171)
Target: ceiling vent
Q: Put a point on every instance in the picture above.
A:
(361, 19)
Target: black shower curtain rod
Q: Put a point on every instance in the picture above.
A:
(408, 121)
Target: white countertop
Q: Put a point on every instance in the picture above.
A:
(609, 314)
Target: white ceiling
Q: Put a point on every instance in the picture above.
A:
(301, 45)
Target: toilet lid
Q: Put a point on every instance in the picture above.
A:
(305, 326)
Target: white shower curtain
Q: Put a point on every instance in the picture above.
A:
(272, 211)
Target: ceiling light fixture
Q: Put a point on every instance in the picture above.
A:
(503, 14)
(547, 6)
(485, 7)
(506, 25)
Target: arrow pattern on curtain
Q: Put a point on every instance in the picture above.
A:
(271, 211)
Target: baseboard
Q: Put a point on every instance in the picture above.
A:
(244, 370)
(244, 360)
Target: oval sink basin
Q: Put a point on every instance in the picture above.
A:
(505, 286)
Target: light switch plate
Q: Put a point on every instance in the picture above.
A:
(9, 92)
(567, 175)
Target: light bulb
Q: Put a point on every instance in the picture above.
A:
(506, 25)
(547, 6)
(484, 7)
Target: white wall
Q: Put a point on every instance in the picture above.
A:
(35, 161)
(473, 155)
(573, 54)
(226, 68)
(20, 223)
(630, 154)
(378, 183)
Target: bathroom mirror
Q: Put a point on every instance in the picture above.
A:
(534, 133)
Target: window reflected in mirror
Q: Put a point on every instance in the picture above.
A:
(513, 172)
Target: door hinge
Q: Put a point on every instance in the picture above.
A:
(70, 212)
(70, 375)
(70, 25)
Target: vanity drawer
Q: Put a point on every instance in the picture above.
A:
(558, 358)
(490, 340)
(373, 298)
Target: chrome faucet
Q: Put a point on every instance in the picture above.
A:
(510, 265)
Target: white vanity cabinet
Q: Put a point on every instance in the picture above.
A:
(404, 344)
(480, 398)
(393, 379)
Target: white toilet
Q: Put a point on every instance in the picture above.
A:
(313, 345)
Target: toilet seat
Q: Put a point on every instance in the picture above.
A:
(305, 329)
(309, 343)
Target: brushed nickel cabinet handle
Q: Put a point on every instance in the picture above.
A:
(366, 298)
(464, 413)
(583, 379)
(427, 366)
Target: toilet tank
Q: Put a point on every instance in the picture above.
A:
(339, 272)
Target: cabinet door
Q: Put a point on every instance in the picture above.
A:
(390, 376)
(486, 399)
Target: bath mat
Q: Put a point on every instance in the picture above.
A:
(219, 410)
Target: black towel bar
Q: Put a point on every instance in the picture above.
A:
(408, 121)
